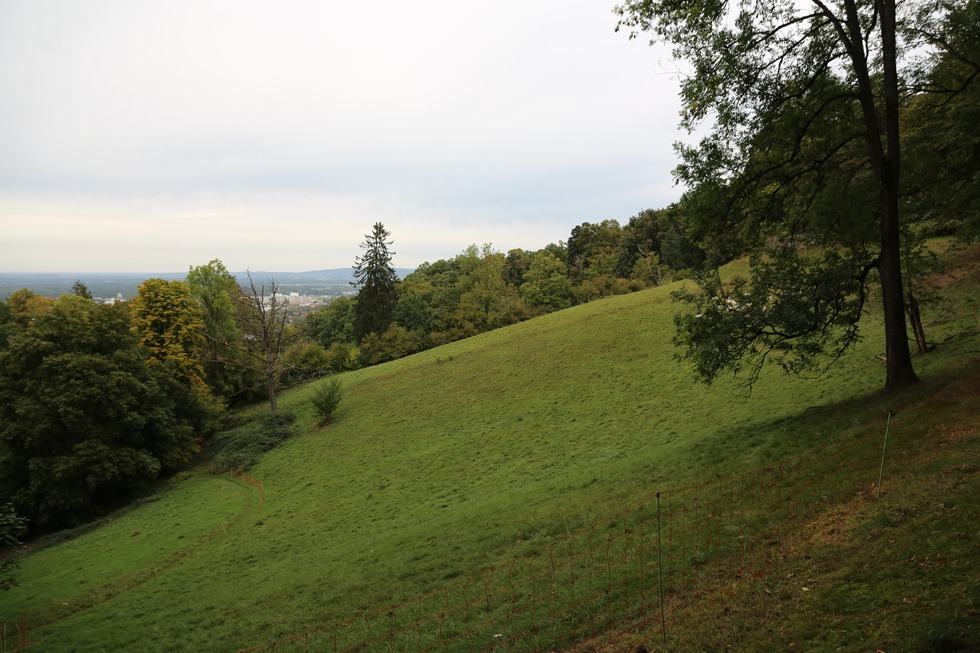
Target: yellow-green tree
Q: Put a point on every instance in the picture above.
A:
(26, 306)
(170, 325)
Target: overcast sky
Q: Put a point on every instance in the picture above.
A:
(149, 136)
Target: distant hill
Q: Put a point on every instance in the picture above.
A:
(332, 282)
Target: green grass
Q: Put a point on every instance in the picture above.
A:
(447, 463)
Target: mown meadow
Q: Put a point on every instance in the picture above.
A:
(457, 459)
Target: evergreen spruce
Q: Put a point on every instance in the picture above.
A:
(375, 278)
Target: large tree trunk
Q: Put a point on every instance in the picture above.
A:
(885, 163)
(899, 370)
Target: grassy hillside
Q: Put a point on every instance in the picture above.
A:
(457, 459)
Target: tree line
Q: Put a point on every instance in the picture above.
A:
(483, 288)
(99, 401)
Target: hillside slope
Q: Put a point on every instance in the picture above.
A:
(447, 463)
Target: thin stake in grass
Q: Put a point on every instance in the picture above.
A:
(881, 470)
(660, 577)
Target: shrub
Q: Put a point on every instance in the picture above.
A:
(12, 528)
(305, 361)
(326, 398)
(239, 448)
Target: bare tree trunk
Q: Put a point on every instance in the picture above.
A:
(265, 323)
(915, 320)
(899, 371)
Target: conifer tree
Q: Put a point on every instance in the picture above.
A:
(375, 278)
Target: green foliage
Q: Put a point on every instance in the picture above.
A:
(412, 311)
(395, 342)
(237, 449)
(6, 323)
(546, 284)
(326, 399)
(305, 361)
(26, 305)
(803, 311)
(805, 140)
(12, 528)
(601, 286)
(343, 357)
(593, 248)
(80, 289)
(656, 248)
(375, 280)
(86, 420)
(518, 262)
(226, 369)
(333, 323)
(941, 128)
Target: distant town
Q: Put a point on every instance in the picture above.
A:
(305, 290)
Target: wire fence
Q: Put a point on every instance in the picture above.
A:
(618, 575)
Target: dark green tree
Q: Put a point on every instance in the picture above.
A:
(546, 284)
(333, 323)
(12, 528)
(412, 310)
(87, 418)
(375, 280)
(518, 263)
(592, 249)
(6, 324)
(80, 289)
(805, 104)
(303, 361)
(941, 128)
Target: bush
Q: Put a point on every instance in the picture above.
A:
(305, 361)
(326, 398)
(241, 447)
(12, 528)
(343, 356)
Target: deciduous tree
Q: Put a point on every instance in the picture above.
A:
(87, 417)
(170, 325)
(546, 284)
(26, 305)
(262, 319)
(226, 371)
(804, 100)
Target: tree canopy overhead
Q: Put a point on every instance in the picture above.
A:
(803, 144)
